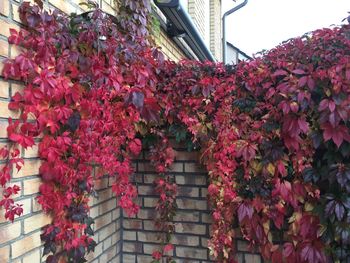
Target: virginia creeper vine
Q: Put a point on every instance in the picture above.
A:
(273, 133)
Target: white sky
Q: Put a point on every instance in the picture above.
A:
(263, 24)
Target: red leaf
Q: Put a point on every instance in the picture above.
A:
(313, 253)
(294, 106)
(168, 248)
(157, 255)
(288, 249)
(135, 147)
(331, 105)
(302, 81)
(299, 71)
(279, 72)
(16, 137)
(303, 125)
(285, 107)
(281, 168)
(15, 38)
(337, 134)
(347, 74)
(245, 211)
(311, 83)
(277, 256)
(323, 104)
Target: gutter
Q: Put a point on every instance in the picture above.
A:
(229, 12)
(180, 25)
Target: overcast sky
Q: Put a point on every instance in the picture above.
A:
(263, 24)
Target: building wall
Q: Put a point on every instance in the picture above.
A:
(208, 23)
(168, 47)
(234, 55)
(216, 29)
(196, 9)
(231, 55)
(20, 241)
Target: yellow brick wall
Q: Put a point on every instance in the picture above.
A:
(168, 47)
(192, 219)
(198, 15)
(216, 29)
(20, 241)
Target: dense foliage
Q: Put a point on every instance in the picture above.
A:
(274, 133)
(275, 141)
(87, 82)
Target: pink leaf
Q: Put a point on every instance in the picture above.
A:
(298, 71)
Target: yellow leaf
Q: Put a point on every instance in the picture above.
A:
(269, 237)
(292, 218)
(266, 227)
(201, 116)
(141, 128)
(225, 252)
(271, 168)
(321, 231)
(308, 207)
(256, 166)
(209, 126)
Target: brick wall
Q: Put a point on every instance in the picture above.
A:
(198, 14)
(192, 221)
(168, 47)
(196, 9)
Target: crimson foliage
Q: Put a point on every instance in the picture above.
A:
(274, 133)
(87, 83)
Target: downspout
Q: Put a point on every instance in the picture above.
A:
(229, 12)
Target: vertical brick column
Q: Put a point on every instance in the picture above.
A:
(198, 14)
(216, 29)
(196, 9)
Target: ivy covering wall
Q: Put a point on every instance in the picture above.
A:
(273, 133)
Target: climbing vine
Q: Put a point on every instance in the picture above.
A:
(273, 133)
(83, 97)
